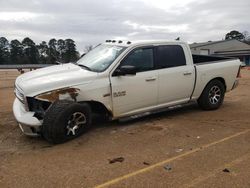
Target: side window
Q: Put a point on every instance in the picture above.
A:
(142, 59)
(170, 56)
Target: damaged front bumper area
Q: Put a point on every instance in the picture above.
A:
(28, 123)
(30, 111)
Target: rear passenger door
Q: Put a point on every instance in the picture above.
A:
(175, 77)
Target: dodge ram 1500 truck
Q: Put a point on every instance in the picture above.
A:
(119, 79)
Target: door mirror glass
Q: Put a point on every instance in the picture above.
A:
(125, 70)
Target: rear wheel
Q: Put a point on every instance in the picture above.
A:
(66, 120)
(212, 96)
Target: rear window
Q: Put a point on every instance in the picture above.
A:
(170, 56)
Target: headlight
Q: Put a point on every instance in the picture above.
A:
(20, 96)
(37, 106)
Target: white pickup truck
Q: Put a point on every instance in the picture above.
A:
(119, 79)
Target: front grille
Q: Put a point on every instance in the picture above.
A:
(19, 94)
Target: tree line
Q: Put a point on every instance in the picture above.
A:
(60, 51)
(27, 52)
(242, 36)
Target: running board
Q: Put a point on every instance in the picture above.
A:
(132, 117)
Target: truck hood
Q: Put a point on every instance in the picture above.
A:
(53, 77)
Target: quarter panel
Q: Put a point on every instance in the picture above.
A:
(206, 72)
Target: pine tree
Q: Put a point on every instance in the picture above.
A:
(53, 53)
(30, 51)
(71, 55)
(27, 52)
(61, 48)
(4, 51)
(43, 50)
(16, 52)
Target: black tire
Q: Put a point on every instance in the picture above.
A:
(208, 99)
(57, 124)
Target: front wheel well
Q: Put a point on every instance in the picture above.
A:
(98, 108)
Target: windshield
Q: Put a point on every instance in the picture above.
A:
(101, 57)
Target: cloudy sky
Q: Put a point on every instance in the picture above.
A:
(92, 21)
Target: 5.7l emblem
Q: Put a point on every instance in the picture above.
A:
(119, 93)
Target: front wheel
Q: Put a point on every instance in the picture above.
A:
(212, 96)
(66, 120)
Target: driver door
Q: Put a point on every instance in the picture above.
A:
(135, 93)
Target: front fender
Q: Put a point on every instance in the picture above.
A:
(68, 93)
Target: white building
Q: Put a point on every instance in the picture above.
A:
(228, 48)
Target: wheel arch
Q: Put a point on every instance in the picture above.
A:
(222, 80)
(204, 100)
(98, 107)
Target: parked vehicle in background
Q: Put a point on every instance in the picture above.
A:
(119, 79)
(243, 64)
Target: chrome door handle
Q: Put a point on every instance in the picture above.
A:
(187, 73)
(151, 79)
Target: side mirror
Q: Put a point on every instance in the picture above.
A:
(125, 70)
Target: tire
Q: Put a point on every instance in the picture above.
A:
(65, 121)
(212, 96)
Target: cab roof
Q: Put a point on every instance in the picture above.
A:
(141, 42)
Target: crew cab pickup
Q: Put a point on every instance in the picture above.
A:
(119, 80)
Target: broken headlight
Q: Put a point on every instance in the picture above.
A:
(38, 106)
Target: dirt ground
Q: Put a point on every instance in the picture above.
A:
(185, 147)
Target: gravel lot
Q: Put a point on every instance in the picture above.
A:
(185, 147)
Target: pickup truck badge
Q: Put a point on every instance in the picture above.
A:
(119, 93)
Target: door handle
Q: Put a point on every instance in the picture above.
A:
(187, 73)
(151, 79)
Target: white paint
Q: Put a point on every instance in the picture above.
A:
(169, 88)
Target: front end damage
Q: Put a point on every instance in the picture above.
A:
(30, 111)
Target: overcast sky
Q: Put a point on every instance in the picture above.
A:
(93, 21)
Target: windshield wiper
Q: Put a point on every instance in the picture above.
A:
(83, 66)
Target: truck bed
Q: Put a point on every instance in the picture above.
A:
(206, 59)
(210, 67)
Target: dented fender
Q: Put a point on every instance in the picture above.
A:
(59, 94)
